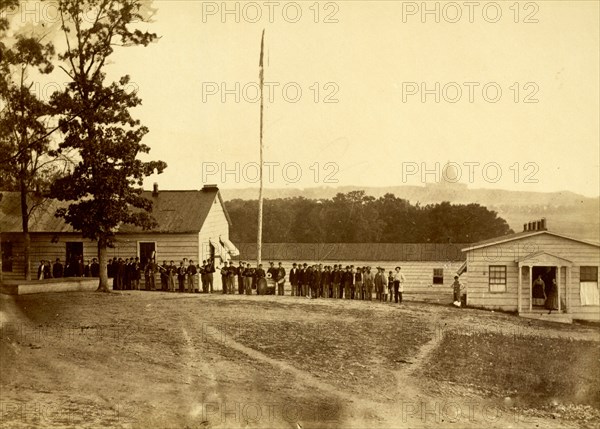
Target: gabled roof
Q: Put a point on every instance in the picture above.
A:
(174, 211)
(518, 236)
(541, 256)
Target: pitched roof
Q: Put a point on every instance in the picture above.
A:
(384, 252)
(174, 211)
(518, 236)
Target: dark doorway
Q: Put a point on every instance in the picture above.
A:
(547, 274)
(7, 256)
(74, 259)
(147, 252)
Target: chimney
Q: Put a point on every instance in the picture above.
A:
(530, 226)
(209, 188)
(524, 227)
(543, 221)
(538, 225)
(155, 190)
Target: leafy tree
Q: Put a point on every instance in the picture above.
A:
(358, 218)
(27, 162)
(106, 183)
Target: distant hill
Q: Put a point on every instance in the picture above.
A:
(566, 212)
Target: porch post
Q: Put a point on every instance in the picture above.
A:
(530, 289)
(568, 280)
(520, 286)
(558, 285)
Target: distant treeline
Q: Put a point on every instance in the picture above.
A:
(357, 218)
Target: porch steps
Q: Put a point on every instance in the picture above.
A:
(552, 317)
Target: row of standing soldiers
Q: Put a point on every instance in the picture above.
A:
(74, 267)
(318, 281)
(127, 274)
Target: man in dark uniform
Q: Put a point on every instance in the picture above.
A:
(309, 277)
(348, 280)
(191, 272)
(127, 274)
(57, 269)
(301, 273)
(181, 276)
(316, 283)
(109, 269)
(164, 276)
(210, 270)
(121, 273)
(306, 279)
(231, 275)
(95, 268)
(224, 274)
(280, 280)
(336, 279)
(326, 282)
(135, 273)
(202, 272)
(259, 273)
(294, 279)
(115, 269)
(248, 276)
(272, 270)
(171, 276)
(240, 277)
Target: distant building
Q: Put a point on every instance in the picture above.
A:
(191, 224)
(500, 273)
(449, 178)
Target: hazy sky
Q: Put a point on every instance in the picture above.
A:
(374, 61)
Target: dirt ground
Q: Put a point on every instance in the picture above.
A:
(158, 360)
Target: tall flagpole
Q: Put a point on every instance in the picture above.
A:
(261, 78)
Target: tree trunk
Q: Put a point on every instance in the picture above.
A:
(103, 284)
(25, 226)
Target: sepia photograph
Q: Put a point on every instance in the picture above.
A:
(299, 214)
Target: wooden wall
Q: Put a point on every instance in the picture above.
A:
(479, 260)
(51, 246)
(419, 276)
(214, 226)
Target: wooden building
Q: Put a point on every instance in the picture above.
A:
(500, 273)
(429, 268)
(191, 224)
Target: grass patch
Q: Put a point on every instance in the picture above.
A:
(530, 369)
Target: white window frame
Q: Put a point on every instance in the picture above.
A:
(497, 287)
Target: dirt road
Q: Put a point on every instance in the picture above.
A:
(139, 360)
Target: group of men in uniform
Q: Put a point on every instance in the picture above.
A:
(73, 268)
(316, 281)
(359, 283)
(187, 277)
(310, 281)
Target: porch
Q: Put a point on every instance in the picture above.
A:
(554, 272)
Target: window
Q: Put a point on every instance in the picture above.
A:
(497, 278)
(588, 286)
(438, 276)
(588, 274)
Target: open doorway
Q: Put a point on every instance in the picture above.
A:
(74, 259)
(147, 252)
(542, 278)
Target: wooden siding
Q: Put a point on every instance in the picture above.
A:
(479, 260)
(215, 226)
(419, 276)
(168, 246)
